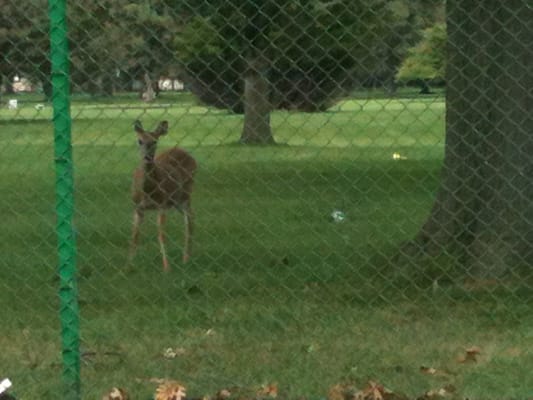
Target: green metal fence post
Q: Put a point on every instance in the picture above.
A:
(68, 292)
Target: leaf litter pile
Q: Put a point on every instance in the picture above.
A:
(173, 390)
(371, 390)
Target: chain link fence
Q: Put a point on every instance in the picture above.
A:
(348, 213)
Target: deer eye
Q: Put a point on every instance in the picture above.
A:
(140, 142)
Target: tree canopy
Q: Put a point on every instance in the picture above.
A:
(426, 60)
(313, 50)
(120, 37)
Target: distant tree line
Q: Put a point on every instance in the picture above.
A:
(310, 46)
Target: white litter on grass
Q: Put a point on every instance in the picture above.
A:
(39, 107)
(338, 216)
(4, 385)
(12, 104)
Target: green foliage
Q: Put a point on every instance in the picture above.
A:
(106, 38)
(199, 39)
(119, 37)
(409, 19)
(312, 49)
(316, 49)
(426, 60)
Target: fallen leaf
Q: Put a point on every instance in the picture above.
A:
(470, 355)
(428, 370)
(170, 390)
(270, 390)
(342, 392)
(223, 394)
(116, 394)
(376, 391)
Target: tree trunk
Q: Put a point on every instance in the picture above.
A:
(257, 105)
(484, 207)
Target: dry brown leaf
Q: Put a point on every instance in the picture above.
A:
(373, 391)
(269, 390)
(376, 391)
(470, 355)
(223, 394)
(428, 370)
(170, 390)
(116, 394)
(340, 391)
(336, 392)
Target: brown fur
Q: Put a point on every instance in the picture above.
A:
(162, 182)
(168, 185)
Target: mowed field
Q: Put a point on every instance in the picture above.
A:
(275, 291)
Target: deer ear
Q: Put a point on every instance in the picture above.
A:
(162, 128)
(138, 127)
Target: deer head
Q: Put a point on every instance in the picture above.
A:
(148, 140)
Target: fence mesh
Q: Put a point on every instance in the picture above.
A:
(348, 215)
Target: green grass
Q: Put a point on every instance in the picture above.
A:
(275, 292)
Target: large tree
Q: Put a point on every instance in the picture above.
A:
(255, 56)
(483, 211)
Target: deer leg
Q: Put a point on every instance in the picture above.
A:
(188, 219)
(137, 220)
(161, 217)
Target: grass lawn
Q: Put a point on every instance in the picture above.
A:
(276, 291)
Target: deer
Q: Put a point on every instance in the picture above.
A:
(161, 183)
